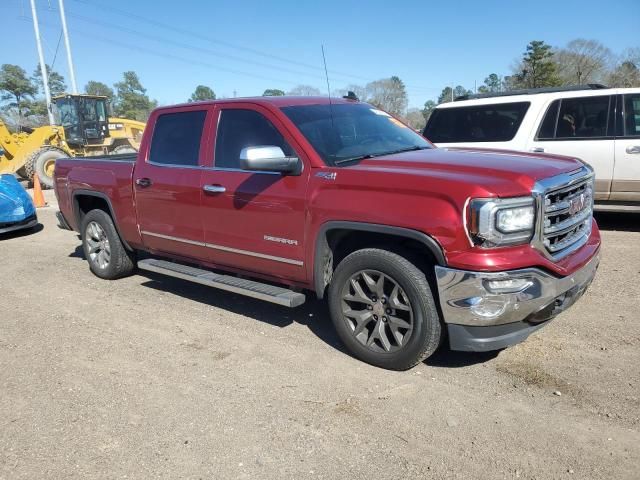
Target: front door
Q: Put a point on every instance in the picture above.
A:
(626, 175)
(581, 127)
(254, 221)
(167, 184)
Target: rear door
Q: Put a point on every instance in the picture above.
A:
(626, 175)
(581, 127)
(167, 183)
(253, 221)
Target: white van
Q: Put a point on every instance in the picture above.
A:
(596, 124)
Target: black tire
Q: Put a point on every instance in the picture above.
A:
(122, 149)
(38, 161)
(425, 335)
(120, 262)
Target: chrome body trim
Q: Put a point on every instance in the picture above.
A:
(174, 165)
(225, 249)
(461, 290)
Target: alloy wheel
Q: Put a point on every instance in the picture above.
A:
(98, 243)
(377, 311)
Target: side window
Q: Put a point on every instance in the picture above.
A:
(548, 126)
(176, 138)
(585, 117)
(632, 115)
(238, 129)
(482, 123)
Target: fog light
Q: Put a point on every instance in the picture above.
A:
(511, 285)
(488, 307)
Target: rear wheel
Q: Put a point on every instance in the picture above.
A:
(43, 162)
(383, 309)
(103, 249)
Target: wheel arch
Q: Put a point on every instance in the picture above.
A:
(337, 239)
(84, 201)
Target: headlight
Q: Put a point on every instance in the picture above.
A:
(501, 221)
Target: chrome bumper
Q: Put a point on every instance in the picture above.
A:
(528, 295)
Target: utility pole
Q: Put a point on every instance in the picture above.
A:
(43, 66)
(72, 73)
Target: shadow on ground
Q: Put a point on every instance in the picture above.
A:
(22, 233)
(313, 314)
(625, 222)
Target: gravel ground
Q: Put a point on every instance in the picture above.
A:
(151, 377)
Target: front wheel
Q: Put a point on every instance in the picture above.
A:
(383, 309)
(103, 249)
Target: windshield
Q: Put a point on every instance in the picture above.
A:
(343, 132)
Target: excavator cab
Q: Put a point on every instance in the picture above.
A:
(84, 118)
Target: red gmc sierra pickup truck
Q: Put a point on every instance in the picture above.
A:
(411, 244)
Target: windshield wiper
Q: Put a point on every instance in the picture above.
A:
(381, 154)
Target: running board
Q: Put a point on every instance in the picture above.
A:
(261, 291)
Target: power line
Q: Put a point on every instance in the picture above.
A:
(173, 28)
(199, 36)
(111, 41)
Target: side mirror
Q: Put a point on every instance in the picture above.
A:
(268, 159)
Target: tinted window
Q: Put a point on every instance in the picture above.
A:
(344, 132)
(548, 127)
(632, 115)
(585, 117)
(176, 138)
(482, 123)
(238, 129)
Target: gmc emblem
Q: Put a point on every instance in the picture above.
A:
(577, 204)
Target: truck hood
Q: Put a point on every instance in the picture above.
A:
(498, 172)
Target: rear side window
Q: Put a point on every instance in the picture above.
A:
(238, 129)
(548, 126)
(176, 138)
(632, 115)
(577, 118)
(482, 123)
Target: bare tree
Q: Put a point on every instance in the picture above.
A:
(415, 119)
(305, 91)
(627, 70)
(388, 94)
(582, 61)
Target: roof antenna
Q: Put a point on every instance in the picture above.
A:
(326, 75)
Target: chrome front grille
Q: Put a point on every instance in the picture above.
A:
(567, 211)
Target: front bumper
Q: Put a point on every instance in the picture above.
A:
(29, 222)
(492, 310)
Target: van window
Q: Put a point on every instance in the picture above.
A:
(632, 115)
(238, 129)
(548, 126)
(585, 117)
(482, 123)
(577, 118)
(176, 138)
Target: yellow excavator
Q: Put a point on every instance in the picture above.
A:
(83, 128)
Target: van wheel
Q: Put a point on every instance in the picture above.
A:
(383, 309)
(103, 248)
(43, 162)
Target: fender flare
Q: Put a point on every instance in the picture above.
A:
(322, 247)
(90, 193)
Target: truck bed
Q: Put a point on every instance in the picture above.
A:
(107, 177)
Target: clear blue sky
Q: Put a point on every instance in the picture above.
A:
(247, 46)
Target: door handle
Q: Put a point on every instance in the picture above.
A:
(214, 189)
(536, 149)
(633, 149)
(144, 182)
